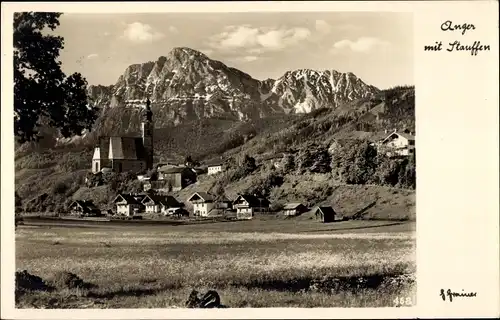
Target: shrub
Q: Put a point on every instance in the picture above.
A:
(277, 206)
(74, 161)
(122, 182)
(28, 282)
(60, 188)
(68, 280)
(265, 183)
(94, 180)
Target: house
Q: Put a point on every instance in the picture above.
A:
(128, 204)
(294, 209)
(222, 207)
(397, 144)
(84, 208)
(325, 214)
(175, 179)
(215, 166)
(156, 203)
(169, 164)
(273, 159)
(203, 203)
(246, 205)
(122, 154)
(224, 203)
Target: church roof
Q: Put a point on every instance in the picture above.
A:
(126, 148)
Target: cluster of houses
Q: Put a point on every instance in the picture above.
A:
(244, 207)
(135, 154)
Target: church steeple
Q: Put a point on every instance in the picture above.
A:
(147, 134)
(148, 114)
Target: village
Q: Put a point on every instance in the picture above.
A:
(213, 168)
(135, 155)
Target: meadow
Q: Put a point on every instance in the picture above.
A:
(250, 263)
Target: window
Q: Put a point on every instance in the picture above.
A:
(96, 166)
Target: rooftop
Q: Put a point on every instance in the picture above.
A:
(291, 206)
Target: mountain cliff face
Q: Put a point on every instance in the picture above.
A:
(302, 91)
(187, 85)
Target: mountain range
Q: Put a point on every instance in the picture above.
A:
(187, 85)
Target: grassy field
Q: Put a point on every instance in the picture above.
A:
(250, 263)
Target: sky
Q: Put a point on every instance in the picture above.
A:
(376, 47)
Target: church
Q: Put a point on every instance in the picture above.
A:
(122, 154)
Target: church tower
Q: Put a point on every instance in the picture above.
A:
(147, 134)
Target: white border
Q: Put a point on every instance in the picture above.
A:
(457, 163)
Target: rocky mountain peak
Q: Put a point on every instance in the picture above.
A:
(186, 53)
(186, 85)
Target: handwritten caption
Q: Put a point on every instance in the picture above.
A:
(449, 26)
(451, 295)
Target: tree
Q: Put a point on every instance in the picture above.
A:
(407, 174)
(288, 163)
(152, 174)
(364, 164)
(305, 160)
(314, 158)
(218, 191)
(41, 89)
(18, 202)
(387, 170)
(248, 165)
(321, 162)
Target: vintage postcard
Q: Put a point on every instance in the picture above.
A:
(250, 160)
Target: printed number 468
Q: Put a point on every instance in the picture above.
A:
(403, 301)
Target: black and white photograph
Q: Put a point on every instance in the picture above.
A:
(216, 160)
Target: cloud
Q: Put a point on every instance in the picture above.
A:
(363, 44)
(106, 34)
(258, 40)
(139, 33)
(173, 29)
(246, 58)
(92, 56)
(323, 26)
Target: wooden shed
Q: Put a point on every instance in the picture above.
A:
(325, 214)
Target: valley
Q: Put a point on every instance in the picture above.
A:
(324, 127)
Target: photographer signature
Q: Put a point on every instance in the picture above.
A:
(450, 294)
